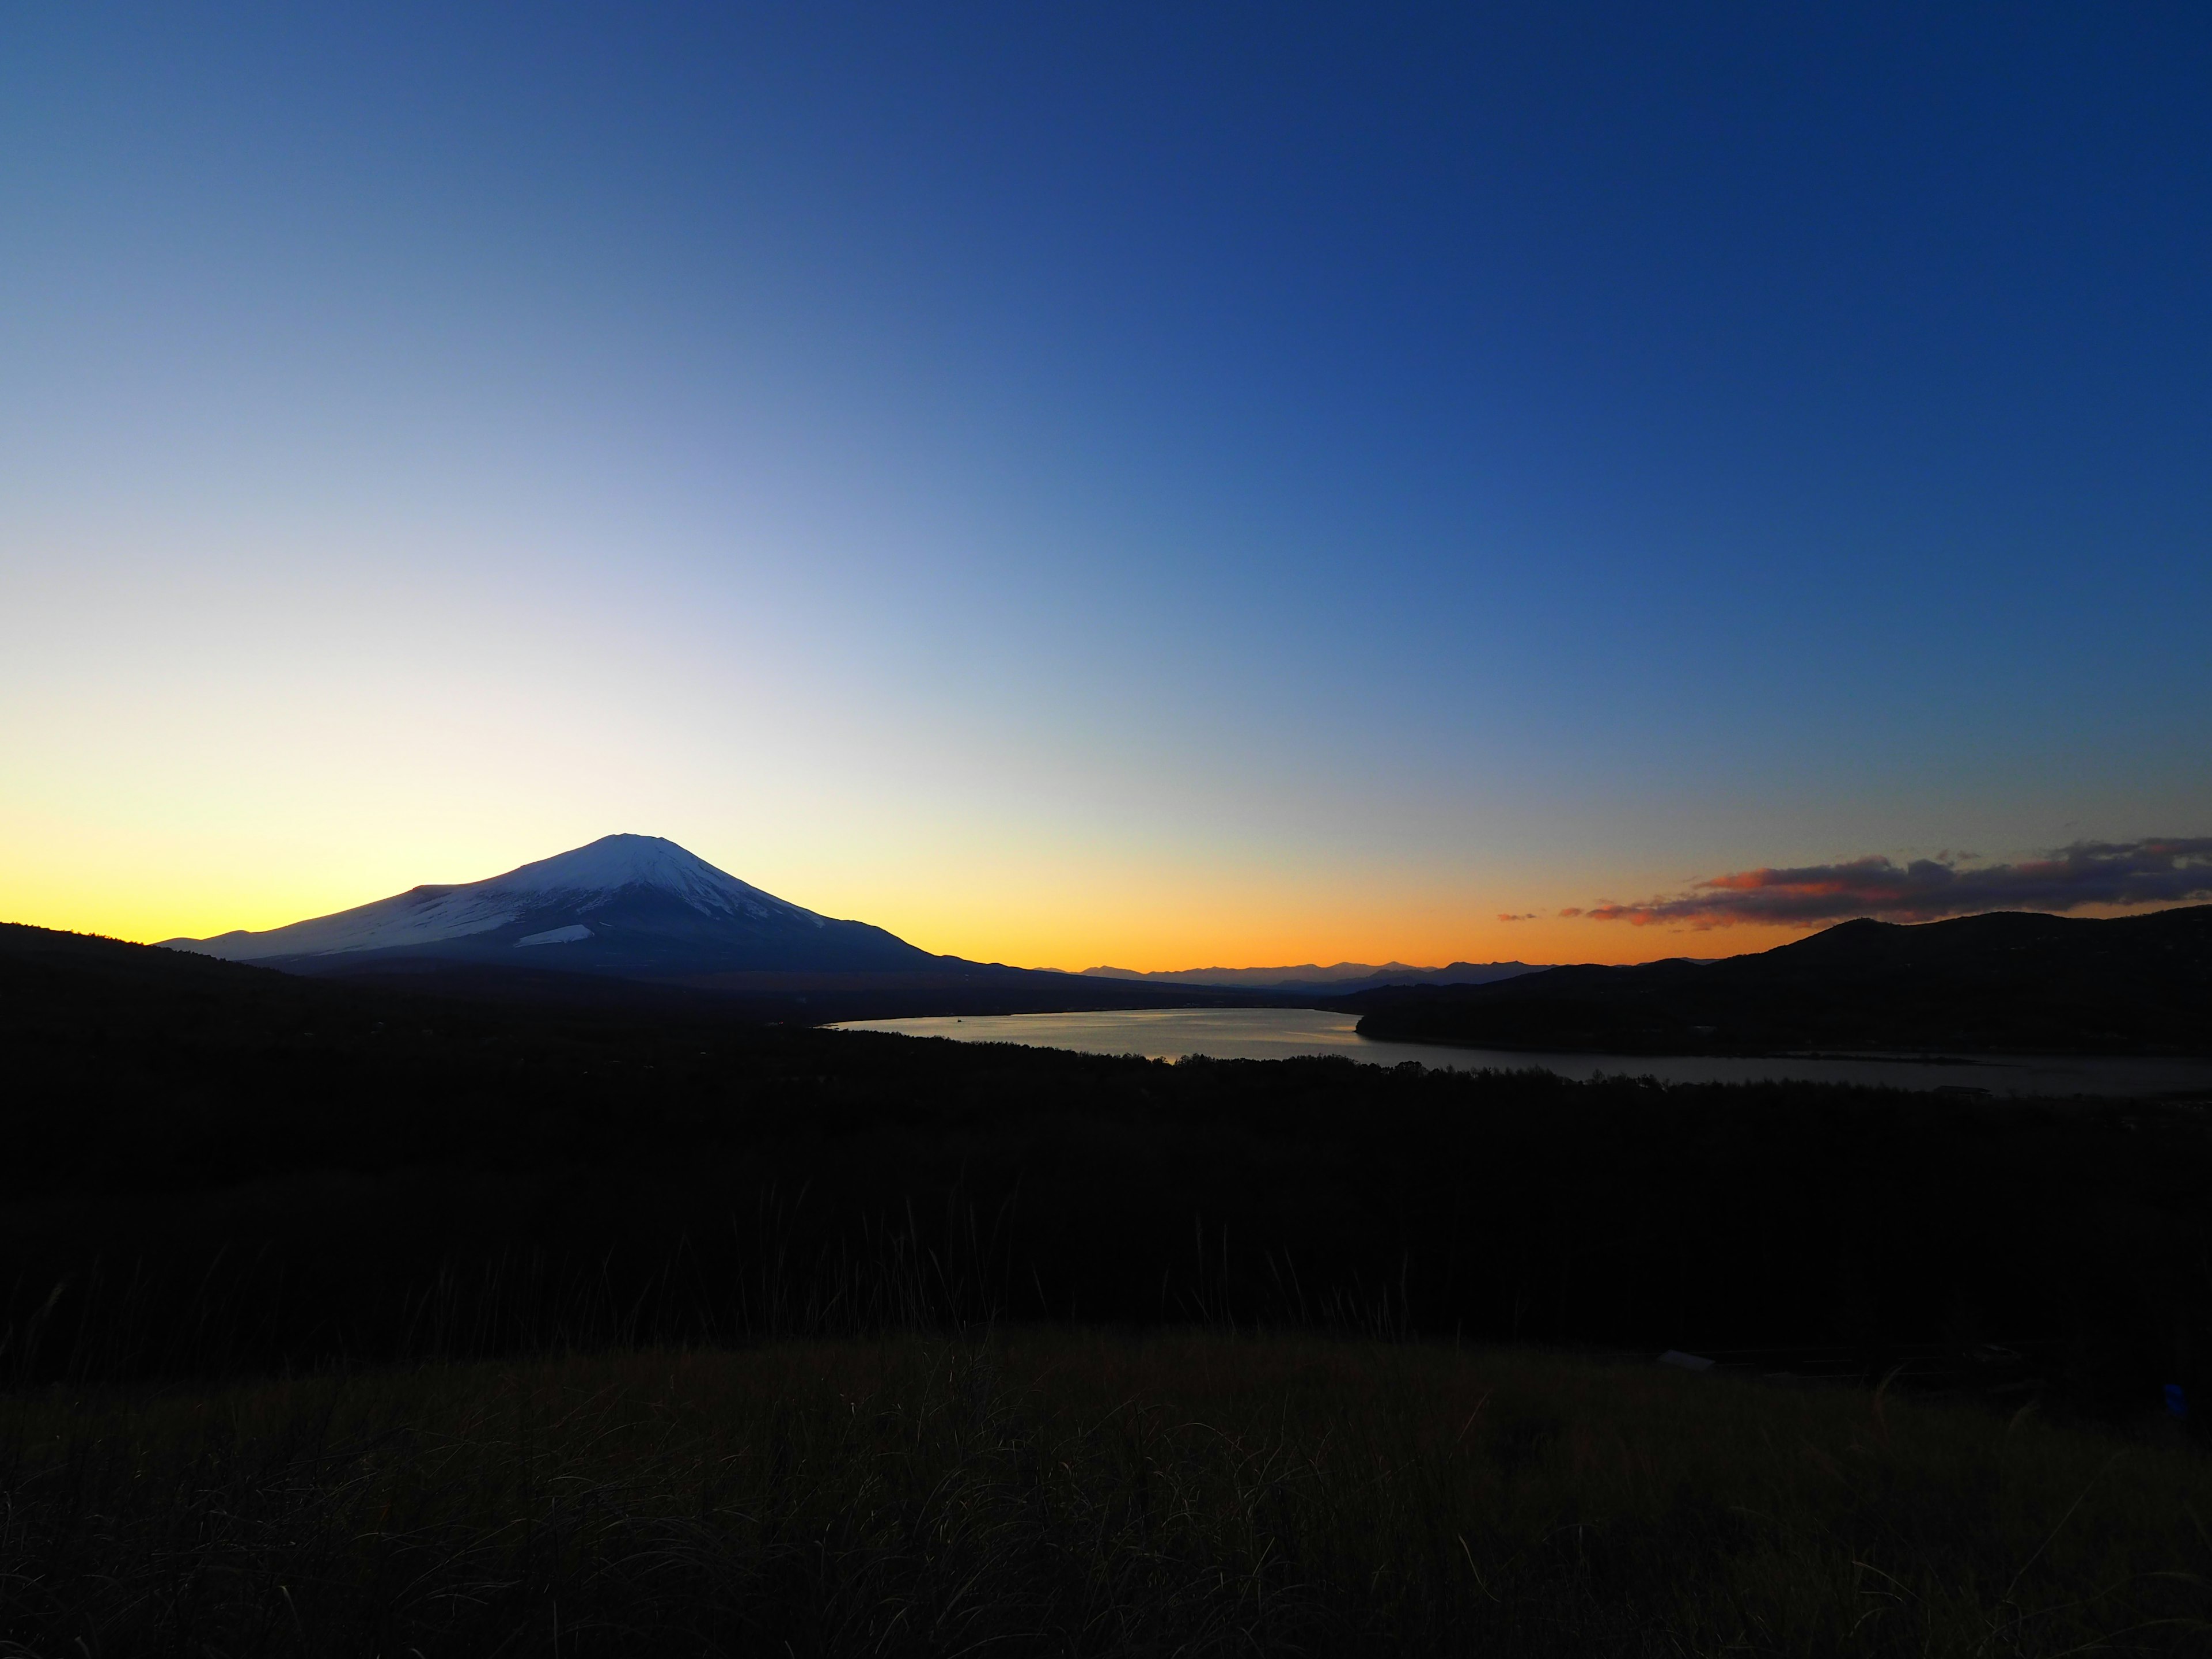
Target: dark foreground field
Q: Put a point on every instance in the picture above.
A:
(347, 1319)
(1072, 1492)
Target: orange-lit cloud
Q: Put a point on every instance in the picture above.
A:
(2157, 872)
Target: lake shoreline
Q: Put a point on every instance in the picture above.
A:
(1295, 1033)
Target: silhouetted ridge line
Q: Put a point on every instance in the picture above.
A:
(2009, 982)
(1341, 980)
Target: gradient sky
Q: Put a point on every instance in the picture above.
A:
(1159, 484)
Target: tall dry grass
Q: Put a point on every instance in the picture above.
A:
(1082, 1492)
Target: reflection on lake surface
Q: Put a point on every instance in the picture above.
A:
(1281, 1033)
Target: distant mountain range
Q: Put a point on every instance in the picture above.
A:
(2005, 981)
(1342, 980)
(640, 906)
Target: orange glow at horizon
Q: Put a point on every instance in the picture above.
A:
(1038, 911)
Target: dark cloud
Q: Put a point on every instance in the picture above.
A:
(1526, 916)
(2161, 871)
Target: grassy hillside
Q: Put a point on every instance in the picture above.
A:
(1072, 1492)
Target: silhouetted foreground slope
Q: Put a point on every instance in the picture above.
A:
(2009, 982)
(215, 1168)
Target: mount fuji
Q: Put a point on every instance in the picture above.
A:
(634, 906)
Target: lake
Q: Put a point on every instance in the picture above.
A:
(1283, 1033)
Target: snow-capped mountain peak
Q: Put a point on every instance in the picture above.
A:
(626, 904)
(612, 863)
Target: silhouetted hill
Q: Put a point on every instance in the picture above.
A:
(2011, 981)
(941, 985)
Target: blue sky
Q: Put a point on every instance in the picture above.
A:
(1152, 484)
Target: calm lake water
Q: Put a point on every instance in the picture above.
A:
(1280, 1033)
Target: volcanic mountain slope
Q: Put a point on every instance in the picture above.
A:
(2007, 981)
(629, 905)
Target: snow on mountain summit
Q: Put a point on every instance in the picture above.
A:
(612, 863)
(622, 903)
